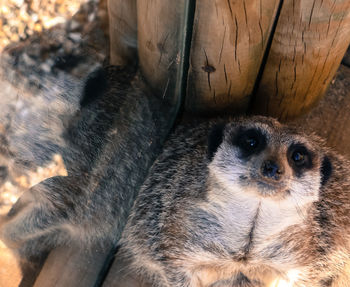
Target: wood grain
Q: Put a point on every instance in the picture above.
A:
(161, 36)
(122, 31)
(310, 40)
(228, 44)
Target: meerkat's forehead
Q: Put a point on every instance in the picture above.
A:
(271, 129)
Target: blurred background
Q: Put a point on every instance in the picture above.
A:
(47, 47)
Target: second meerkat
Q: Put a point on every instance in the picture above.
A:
(256, 203)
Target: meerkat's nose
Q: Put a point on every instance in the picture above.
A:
(271, 169)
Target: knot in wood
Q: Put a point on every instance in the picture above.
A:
(208, 68)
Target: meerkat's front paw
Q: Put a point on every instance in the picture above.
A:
(11, 229)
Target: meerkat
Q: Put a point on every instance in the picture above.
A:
(252, 204)
(110, 144)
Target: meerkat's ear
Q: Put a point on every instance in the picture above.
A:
(215, 138)
(326, 170)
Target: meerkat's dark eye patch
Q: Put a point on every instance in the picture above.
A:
(215, 138)
(326, 170)
(299, 158)
(250, 141)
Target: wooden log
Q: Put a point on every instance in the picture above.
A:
(161, 45)
(310, 40)
(122, 31)
(228, 43)
(71, 267)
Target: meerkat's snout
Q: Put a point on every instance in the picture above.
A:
(272, 170)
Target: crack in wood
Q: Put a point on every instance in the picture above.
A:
(276, 85)
(312, 80)
(225, 73)
(246, 19)
(230, 8)
(262, 36)
(332, 44)
(312, 11)
(295, 77)
(236, 39)
(245, 13)
(216, 9)
(161, 48)
(279, 65)
(222, 45)
(295, 94)
(280, 102)
(329, 71)
(321, 4)
(229, 90)
(295, 51)
(329, 24)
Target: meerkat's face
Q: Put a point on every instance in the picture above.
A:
(264, 158)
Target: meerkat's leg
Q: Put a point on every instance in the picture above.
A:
(41, 213)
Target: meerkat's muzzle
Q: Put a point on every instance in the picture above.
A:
(271, 170)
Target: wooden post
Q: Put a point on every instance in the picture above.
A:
(122, 31)
(161, 40)
(310, 40)
(228, 44)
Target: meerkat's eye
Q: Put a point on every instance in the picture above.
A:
(299, 157)
(250, 141)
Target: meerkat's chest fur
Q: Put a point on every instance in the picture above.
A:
(251, 230)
